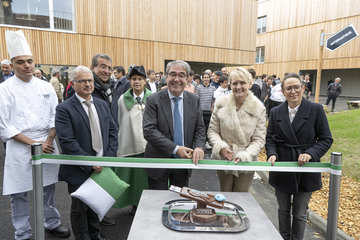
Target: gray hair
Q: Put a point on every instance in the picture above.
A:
(5, 62)
(338, 78)
(208, 71)
(54, 71)
(78, 69)
(95, 58)
(180, 63)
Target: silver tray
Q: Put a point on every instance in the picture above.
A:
(176, 216)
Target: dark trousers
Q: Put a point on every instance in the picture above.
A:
(177, 177)
(297, 207)
(333, 98)
(85, 222)
(206, 117)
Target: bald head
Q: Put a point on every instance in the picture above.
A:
(38, 73)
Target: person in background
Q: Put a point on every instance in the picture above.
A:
(224, 71)
(197, 79)
(189, 83)
(151, 84)
(265, 93)
(215, 82)
(264, 77)
(39, 74)
(205, 92)
(237, 130)
(308, 86)
(121, 86)
(276, 96)
(6, 70)
(256, 83)
(333, 91)
(162, 83)
(223, 88)
(55, 81)
(131, 140)
(157, 78)
(288, 139)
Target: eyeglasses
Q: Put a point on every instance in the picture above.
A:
(83, 81)
(173, 75)
(104, 67)
(289, 89)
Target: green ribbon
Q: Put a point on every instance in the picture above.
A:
(187, 164)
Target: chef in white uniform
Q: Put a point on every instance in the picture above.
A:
(27, 114)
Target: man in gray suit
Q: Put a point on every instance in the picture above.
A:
(173, 127)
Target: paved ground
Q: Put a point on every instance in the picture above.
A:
(340, 104)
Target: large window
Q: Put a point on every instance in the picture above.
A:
(260, 55)
(50, 14)
(261, 25)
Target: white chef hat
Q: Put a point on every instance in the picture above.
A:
(17, 44)
(5, 62)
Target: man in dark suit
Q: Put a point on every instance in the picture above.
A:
(173, 127)
(84, 127)
(333, 91)
(121, 86)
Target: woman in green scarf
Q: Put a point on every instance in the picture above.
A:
(131, 141)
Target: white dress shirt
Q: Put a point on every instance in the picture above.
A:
(82, 100)
(292, 112)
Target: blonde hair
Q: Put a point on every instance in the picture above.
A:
(240, 73)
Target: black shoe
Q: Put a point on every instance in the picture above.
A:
(100, 237)
(107, 221)
(59, 231)
(132, 210)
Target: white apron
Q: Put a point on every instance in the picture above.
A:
(18, 168)
(27, 108)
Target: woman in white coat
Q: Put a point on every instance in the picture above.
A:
(237, 130)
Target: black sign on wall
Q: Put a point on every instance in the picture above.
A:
(342, 37)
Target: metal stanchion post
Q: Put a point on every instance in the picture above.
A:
(334, 197)
(37, 174)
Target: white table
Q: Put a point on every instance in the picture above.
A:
(148, 224)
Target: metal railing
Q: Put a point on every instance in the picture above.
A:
(334, 168)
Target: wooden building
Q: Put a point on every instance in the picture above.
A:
(206, 33)
(288, 39)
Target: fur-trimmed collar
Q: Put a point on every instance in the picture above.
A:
(235, 120)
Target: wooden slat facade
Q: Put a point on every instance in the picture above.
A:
(292, 35)
(150, 31)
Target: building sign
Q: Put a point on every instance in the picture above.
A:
(342, 37)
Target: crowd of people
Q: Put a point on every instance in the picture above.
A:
(106, 111)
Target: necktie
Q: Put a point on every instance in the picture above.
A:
(178, 136)
(138, 99)
(95, 135)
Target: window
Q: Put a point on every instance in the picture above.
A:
(50, 14)
(260, 55)
(261, 25)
